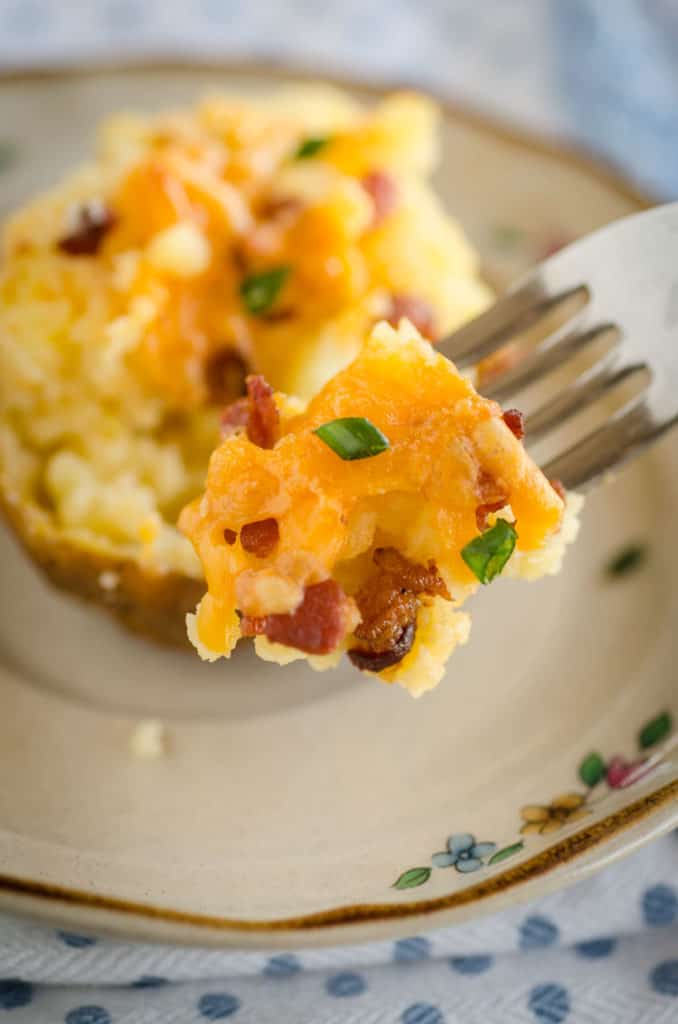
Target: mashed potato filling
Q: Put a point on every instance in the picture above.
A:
(314, 553)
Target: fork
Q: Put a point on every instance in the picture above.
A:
(625, 277)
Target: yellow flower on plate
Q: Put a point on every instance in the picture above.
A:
(547, 818)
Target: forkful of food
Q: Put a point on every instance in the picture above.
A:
(361, 521)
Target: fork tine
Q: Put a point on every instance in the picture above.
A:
(586, 389)
(548, 356)
(633, 427)
(514, 312)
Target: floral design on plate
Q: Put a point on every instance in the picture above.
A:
(545, 818)
(466, 854)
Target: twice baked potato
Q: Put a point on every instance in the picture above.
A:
(242, 235)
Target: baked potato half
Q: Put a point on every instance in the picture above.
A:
(242, 236)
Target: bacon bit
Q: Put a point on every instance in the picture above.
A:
(225, 373)
(278, 316)
(263, 421)
(258, 413)
(515, 421)
(234, 416)
(230, 536)
(316, 627)
(239, 258)
(388, 604)
(281, 206)
(494, 499)
(416, 310)
(377, 661)
(260, 538)
(483, 511)
(254, 625)
(91, 224)
(383, 191)
(559, 487)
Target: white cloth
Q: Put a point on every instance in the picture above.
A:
(606, 951)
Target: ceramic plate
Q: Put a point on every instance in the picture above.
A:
(293, 808)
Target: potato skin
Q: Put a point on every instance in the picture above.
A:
(150, 603)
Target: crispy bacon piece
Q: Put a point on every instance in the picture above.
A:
(317, 626)
(483, 511)
(225, 373)
(383, 191)
(417, 310)
(260, 538)
(494, 498)
(377, 661)
(234, 416)
(91, 224)
(258, 413)
(388, 604)
(286, 207)
(278, 316)
(239, 258)
(515, 421)
(263, 422)
(559, 487)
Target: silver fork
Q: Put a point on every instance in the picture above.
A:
(626, 276)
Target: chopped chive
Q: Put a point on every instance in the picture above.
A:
(626, 560)
(353, 437)
(487, 555)
(259, 291)
(310, 146)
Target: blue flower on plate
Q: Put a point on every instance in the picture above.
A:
(463, 852)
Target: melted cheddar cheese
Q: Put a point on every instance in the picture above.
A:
(419, 497)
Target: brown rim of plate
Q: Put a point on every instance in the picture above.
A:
(534, 867)
(547, 860)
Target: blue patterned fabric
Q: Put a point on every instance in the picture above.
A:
(603, 951)
(604, 72)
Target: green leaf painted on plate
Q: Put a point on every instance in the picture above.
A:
(592, 769)
(655, 730)
(626, 560)
(506, 852)
(8, 154)
(413, 877)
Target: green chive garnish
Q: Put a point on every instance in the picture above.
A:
(487, 555)
(259, 291)
(310, 146)
(353, 437)
(626, 560)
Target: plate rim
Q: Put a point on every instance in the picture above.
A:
(558, 855)
(652, 806)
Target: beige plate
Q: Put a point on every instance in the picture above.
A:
(290, 803)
